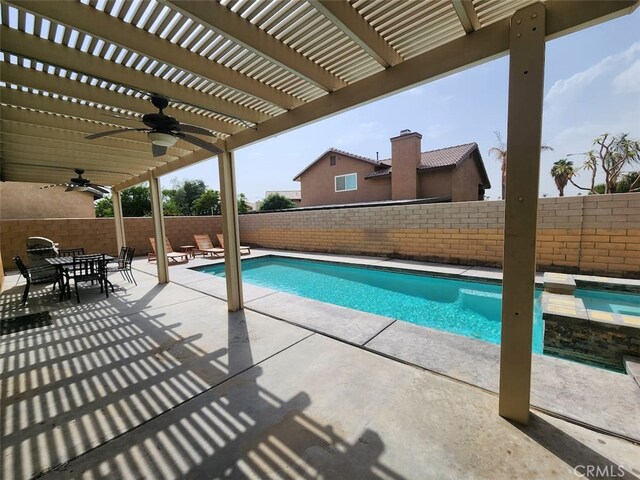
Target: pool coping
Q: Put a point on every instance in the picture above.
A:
(554, 386)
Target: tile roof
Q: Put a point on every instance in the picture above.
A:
(341, 152)
(441, 158)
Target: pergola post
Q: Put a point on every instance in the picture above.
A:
(158, 226)
(230, 231)
(524, 136)
(119, 219)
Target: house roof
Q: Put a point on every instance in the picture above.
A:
(290, 194)
(340, 152)
(441, 158)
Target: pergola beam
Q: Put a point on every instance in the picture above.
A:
(347, 18)
(484, 45)
(31, 78)
(48, 52)
(50, 130)
(101, 25)
(222, 20)
(467, 15)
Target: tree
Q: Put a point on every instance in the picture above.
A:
(243, 204)
(561, 172)
(185, 193)
(500, 152)
(275, 201)
(613, 153)
(170, 208)
(206, 204)
(104, 207)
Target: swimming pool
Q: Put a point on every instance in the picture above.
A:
(612, 302)
(469, 308)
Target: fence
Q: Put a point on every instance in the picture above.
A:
(597, 234)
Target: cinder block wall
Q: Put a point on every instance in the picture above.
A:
(597, 234)
(98, 234)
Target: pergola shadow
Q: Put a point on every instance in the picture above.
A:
(128, 396)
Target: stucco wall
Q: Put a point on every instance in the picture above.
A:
(318, 183)
(435, 183)
(466, 179)
(597, 234)
(28, 200)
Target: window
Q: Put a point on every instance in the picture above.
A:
(346, 182)
(332, 160)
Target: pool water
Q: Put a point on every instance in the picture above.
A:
(612, 302)
(468, 308)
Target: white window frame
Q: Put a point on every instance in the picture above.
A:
(335, 182)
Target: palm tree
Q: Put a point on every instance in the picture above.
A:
(500, 153)
(562, 171)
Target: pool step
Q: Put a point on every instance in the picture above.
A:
(485, 303)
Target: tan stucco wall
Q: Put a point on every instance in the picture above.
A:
(466, 179)
(318, 183)
(28, 200)
(435, 183)
(596, 234)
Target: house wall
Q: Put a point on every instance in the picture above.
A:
(435, 183)
(465, 181)
(598, 234)
(318, 183)
(28, 200)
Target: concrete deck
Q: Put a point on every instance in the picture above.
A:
(162, 382)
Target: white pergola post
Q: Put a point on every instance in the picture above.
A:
(119, 219)
(230, 231)
(158, 226)
(524, 136)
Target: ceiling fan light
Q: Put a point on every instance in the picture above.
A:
(162, 139)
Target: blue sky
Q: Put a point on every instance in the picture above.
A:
(592, 86)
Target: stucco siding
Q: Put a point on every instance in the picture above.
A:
(28, 200)
(465, 181)
(318, 182)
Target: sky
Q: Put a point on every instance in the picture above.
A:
(592, 86)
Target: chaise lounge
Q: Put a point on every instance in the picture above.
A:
(205, 246)
(171, 255)
(243, 248)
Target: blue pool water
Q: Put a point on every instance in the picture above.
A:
(463, 307)
(612, 302)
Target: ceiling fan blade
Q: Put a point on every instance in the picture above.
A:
(113, 132)
(158, 150)
(185, 127)
(199, 142)
(70, 188)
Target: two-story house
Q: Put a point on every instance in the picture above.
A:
(448, 174)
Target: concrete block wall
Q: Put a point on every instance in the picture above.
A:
(597, 234)
(98, 234)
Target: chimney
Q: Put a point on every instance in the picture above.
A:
(405, 158)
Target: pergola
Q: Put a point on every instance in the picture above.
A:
(247, 70)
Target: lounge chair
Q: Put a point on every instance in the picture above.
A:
(243, 248)
(205, 246)
(171, 255)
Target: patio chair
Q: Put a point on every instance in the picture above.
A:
(243, 248)
(205, 246)
(124, 264)
(45, 274)
(87, 268)
(70, 252)
(171, 254)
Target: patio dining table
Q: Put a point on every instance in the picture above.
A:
(61, 262)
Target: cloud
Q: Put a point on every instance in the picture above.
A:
(629, 80)
(575, 83)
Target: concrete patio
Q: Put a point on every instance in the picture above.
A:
(160, 381)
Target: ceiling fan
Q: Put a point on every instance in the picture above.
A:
(81, 184)
(164, 130)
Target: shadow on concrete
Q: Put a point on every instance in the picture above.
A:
(586, 462)
(108, 393)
